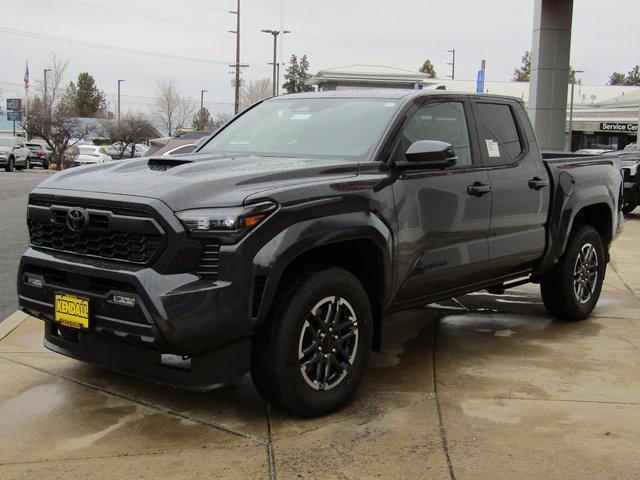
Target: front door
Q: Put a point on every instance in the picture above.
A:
(443, 215)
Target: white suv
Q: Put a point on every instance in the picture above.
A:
(13, 154)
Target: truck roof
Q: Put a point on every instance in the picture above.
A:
(387, 93)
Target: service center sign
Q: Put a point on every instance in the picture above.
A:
(618, 127)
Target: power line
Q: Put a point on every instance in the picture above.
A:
(111, 48)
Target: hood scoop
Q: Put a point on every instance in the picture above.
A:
(163, 164)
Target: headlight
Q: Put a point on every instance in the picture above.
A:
(227, 224)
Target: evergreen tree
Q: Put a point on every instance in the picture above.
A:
(428, 68)
(297, 75)
(523, 74)
(201, 120)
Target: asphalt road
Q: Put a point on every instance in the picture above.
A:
(14, 239)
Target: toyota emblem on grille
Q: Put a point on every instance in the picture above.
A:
(77, 219)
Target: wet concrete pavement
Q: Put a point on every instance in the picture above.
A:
(479, 387)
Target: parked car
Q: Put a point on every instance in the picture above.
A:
(89, 155)
(281, 244)
(13, 154)
(116, 151)
(40, 153)
(630, 159)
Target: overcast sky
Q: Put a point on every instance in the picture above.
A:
(400, 33)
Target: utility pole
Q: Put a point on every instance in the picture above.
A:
(452, 63)
(276, 67)
(237, 65)
(202, 92)
(46, 100)
(119, 82)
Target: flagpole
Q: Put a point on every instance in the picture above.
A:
(26, 100)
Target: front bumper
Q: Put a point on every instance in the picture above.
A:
(173, 316)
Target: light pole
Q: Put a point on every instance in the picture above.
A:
(202, 92)
(569, 134)
(275, 34)
(119, 82)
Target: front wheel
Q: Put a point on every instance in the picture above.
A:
(311, 354)
(10, 165)
(572, 288)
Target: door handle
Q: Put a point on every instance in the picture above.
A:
(537, 183)
(478, 189)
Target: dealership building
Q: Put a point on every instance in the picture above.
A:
(604, 116)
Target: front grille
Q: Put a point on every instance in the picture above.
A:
(208, 266)
(113, 235)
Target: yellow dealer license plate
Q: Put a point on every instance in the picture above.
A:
(72, 311)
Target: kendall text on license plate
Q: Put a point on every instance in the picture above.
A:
(72, 311)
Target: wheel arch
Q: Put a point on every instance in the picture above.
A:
(363, 249)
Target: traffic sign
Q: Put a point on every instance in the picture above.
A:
(14, 104)
(13, 115)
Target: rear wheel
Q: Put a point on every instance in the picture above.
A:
(29, 166)
(572, 288)
(311, 354)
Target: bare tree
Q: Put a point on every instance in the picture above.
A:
(52, 118)
(173, 109)
(133, 128)
(254, 91)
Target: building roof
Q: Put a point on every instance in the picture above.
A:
(584, 95)
(375, 73)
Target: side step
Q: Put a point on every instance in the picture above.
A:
(500, 288)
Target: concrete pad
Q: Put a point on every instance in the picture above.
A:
(237, 407)
(11, 323)
(50, 420)
(390, 429)
(532, 439)
(206, 463)
(25, 337)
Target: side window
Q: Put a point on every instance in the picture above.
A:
(444, 121)
(498, 133)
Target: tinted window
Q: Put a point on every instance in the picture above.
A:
(439, 121)
(6, 142)
(310, 127)
(499, 137)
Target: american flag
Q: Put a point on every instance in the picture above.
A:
(26, 78)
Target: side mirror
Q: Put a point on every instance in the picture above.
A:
(432, 153)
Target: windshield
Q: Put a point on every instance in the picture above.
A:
(311, 127)
(6, 142)
(88, 149)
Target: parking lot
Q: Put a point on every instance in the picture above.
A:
(477, 387)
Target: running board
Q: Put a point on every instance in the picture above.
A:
(499, 289)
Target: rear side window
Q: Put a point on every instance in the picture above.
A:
(498, 132)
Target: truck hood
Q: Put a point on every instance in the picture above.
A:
(196, 181)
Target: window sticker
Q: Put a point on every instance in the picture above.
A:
(493, 148)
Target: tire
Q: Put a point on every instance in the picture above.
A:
(9, 167)
(275, 362)
(560, 287)
(29, 165)
(627, 208)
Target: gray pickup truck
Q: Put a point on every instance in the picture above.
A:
(279, 247)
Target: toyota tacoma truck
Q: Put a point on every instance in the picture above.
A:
(279, 247)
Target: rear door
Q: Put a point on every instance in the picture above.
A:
(520, 186)
(443, 215)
